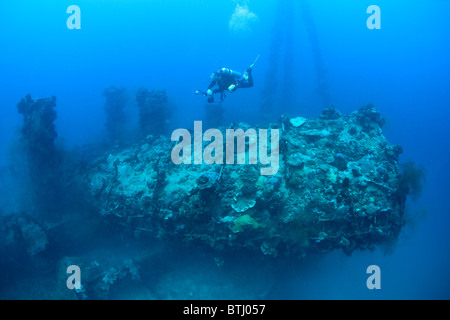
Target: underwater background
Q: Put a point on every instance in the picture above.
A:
(313, 54)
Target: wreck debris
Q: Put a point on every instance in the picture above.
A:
(339, 186)
(38, 140)
(116, 99)
(154, 111)
(336, 188)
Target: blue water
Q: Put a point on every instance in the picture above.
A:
(402, 68)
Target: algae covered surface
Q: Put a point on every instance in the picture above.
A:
(129, 217)
(337, 187)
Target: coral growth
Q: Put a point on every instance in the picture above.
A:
(38, 139)
(154, 111)
(411, 178)
(337, 187)
(38, 130)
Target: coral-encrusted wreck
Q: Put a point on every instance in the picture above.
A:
(337, 187)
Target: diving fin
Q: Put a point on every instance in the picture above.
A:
(254, 62)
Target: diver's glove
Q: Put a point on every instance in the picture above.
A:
(209, 92)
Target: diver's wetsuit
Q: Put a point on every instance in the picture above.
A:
(224, 80)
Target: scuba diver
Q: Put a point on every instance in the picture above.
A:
(228, 80)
